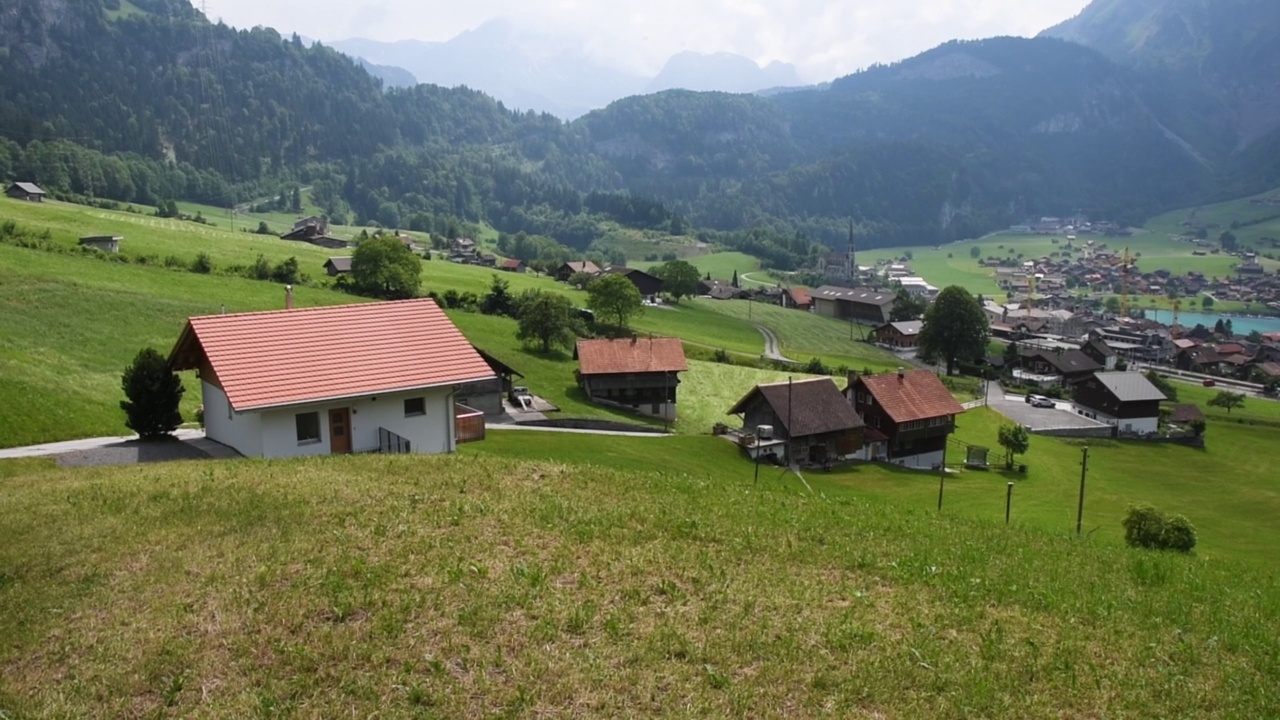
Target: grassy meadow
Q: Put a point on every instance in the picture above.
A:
(1261, 222)
(479, 585)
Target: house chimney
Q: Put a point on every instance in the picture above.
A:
(902, 373)
(288, 297)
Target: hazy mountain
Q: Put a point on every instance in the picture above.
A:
(389, 75)
(523, 68)
(721, 72)
(1221, 55)
(529, 69)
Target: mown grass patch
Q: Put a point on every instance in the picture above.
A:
(484, 586)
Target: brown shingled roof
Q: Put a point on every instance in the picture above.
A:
(914, 395)
(630, 355)
(289, 357)
(805, 407)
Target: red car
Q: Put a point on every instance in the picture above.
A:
(1209, 382)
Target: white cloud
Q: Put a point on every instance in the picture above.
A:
(824, 38)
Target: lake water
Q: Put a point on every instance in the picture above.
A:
(1240, 325)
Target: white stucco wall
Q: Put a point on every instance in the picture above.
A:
(1142, 426)
(924, 461)
(242, 431)
(273, 433)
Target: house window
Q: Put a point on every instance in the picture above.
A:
(308, 426)
(415, 406)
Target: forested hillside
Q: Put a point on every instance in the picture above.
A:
(144, 101)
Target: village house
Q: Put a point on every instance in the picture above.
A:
(1124, 400)
(1055, 366)
(573, 267)
(314, 230)
(337, 266)
(912, 409)
(862, 305)
(648, 285)
(25, 191)
(513, 265)
(105, 243)
(797, 298)
(802, 422)
(1200, 358)
(637, 374)
(367, 377)
(1098, 351)
(899, 335)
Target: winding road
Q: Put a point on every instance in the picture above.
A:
(772, 350)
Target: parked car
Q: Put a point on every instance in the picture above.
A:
(516, 392)
(1209, 382)
(1040, 401)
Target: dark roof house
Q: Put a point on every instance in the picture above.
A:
(1126, 400)
(337, 266)
(25, 191)
(812, 415)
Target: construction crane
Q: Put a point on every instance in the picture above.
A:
(1124, 284)
(1173, 328)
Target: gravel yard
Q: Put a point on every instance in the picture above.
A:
(132, 451)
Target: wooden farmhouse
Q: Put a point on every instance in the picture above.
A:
(648, 285)
(375, 377)
(337, 266)
(805, 422)
(1125, 400)
(638, 374)
(912, 409)
(573, 267)
(899, 335)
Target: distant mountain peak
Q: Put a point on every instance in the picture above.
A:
(721, 71)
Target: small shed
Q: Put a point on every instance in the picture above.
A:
(25, 191)
(337, 266)
(105, 243)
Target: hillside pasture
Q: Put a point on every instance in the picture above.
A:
(481, 585)
(1260, 223)
(720, 265)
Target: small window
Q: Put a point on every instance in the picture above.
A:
(308, 425)
(415, 406)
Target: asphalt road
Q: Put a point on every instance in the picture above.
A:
(1015, 407)
(772, 350)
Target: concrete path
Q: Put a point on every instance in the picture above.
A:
(772, 350)
(615, 433)
(193, 437)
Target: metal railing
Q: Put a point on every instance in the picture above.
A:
(391, 443)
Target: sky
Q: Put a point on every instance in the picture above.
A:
(823, 38)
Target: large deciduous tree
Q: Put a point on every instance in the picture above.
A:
(679, 278)
(614, 298)
(955, 328)
(153, 392)
(383, 267)
(545, 318)
(1227, 400)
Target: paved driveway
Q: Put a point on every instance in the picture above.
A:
(1061, 416)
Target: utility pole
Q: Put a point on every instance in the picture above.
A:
(1084, 470)
(942, 476)
(1008, 502)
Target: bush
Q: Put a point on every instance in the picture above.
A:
(203, 264)
(1148, 528)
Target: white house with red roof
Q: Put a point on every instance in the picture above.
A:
(331, 380)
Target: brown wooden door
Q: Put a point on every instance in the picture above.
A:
(340, 431)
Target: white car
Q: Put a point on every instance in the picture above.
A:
(1040, 401)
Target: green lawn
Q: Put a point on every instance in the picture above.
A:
(1219, 217)
(806, 335)
(720, 265)
(539, 575)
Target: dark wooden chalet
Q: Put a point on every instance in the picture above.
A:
(1126, 400)
(798, 298)
(648, 285)
(912, 408)
(638, 374)
(514, 265)
(811, 416)
(1070, 366)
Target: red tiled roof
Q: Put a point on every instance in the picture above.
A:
(631, 355)
(917, 395)
(288, 357)
(512, 263)
(800, 295)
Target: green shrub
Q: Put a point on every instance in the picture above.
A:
(203, 264)
(1148, 528)
(152, 393)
